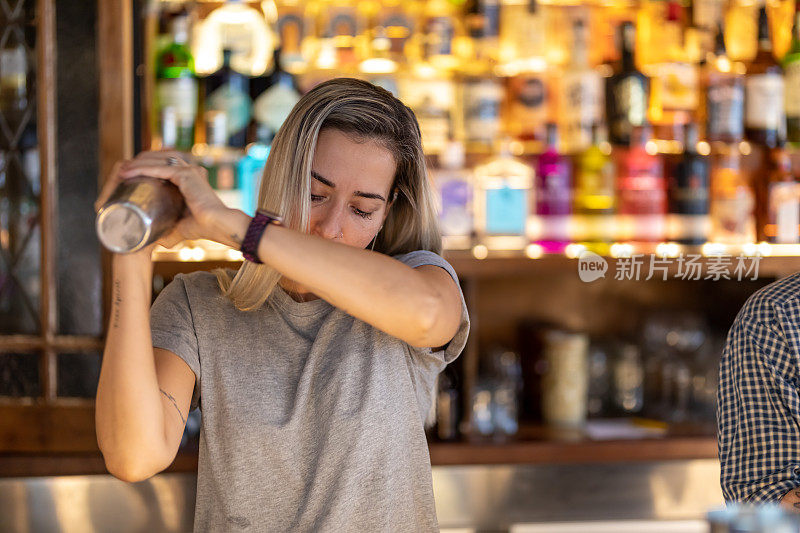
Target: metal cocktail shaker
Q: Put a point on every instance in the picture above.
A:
(139, 212)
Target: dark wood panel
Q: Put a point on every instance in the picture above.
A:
(47, 428)
(574, 452)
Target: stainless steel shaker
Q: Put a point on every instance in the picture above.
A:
(139, 212)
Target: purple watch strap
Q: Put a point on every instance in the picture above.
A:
(253, 236)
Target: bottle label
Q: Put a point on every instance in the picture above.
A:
(630, 99)
(792, 101)
(272, 108)
(455, 197)
(678, 86)
(527, 110)
(732, 216)
(580, 106)
(725, 108)
(764, 101)
(482, 100)
(784, 210)
(343, 21)
(181, 95)
(292, 30)
(439, 35)
(506, 211)
(399, 28)
(553, 196)
(432, 101)
(234, 103)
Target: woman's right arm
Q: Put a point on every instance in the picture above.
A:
(143, 394)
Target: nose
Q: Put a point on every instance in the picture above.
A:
(328, 225)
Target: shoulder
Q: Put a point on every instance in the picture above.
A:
(776, 301)
(200, 283)
(418, 258)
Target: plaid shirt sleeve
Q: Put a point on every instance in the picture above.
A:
(758, 405)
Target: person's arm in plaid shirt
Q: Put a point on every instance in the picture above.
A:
(758, 411)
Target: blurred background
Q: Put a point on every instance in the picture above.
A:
(659, 131)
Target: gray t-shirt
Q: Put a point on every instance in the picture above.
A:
(312, 420)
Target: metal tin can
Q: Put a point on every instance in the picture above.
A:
(139, 212)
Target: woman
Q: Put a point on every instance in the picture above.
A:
(314, 370)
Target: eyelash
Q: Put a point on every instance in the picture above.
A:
(359, 212)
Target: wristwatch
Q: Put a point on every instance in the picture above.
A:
(254, 232)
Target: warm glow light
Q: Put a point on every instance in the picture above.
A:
(574, 250)
(651, 147)
(378, 65)
(534, 251)
(185, 254)
(713, 248)
(479, 251)
(668, 249)
(198, 254)
(619, 249)
(745, 148)
(764, 249)
(749, 249)
(703, 148)
(234, 255)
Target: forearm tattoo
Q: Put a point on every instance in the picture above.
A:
(797, 504)
(168, 395)
(117, 302)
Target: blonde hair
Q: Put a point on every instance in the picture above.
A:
(368, 113)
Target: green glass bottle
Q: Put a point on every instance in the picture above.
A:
(791, 68)
(176, 89)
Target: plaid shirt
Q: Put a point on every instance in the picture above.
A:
(758, 401)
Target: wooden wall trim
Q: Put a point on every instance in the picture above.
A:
(46, 103)
(115, 42)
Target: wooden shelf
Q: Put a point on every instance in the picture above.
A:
(548, 452)
(441, 453)
(515, 262)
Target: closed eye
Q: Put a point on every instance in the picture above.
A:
(359, 212)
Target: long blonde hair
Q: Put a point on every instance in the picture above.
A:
(369, 113)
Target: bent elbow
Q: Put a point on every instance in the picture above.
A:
(129, 470)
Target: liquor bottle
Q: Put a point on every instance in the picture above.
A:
(581, 94)
(594, 193)
(688, 194)
(764, 118)
(522, 33)
(13, 88)
(227, 91)
(732, 200)
(277, 95)
(441, 39)
(481, 99)
(220, 160)
(380, 67)
(553, 195)
(345, 22)
(454, 185)
(526, 105)
(673, 89)
(398, 20)
(237, 27)
(778, 200)
(482, 22)
(176, 87)
(791, 68)
(626, 92)
(294, 29)
(723, 102)
(503, 200)
(641, 190)
(431, 94)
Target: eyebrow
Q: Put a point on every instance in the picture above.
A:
(332, 185)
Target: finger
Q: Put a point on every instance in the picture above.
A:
(109, 185)
(177, 175)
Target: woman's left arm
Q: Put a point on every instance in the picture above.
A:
(421, 306)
